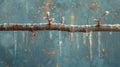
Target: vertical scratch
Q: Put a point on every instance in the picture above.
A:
(90, 40)
(23, 36)
(15, 42)
(77, 36)
(50, 35)
(99, 44)
(60, 43)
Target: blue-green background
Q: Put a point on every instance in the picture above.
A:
(43, 51)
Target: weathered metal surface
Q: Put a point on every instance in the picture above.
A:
(21, 49)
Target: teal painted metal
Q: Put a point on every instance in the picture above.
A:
(44, 50)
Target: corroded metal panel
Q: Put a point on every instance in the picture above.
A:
(56, 48)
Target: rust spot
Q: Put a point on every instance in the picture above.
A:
(98, 23)
(15, 27)
(34, 33)
(47, 5)
(86, 31)
(57, 65)
(49, 22)
(52, 53)
(72, 17)
(94, 6)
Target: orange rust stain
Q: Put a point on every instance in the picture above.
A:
(57, 65)
(15, 27)
(47, 5)
(34, 33)
(94, 6)
(52, 53)
(86, 31)
(98, 23)
(72, 17)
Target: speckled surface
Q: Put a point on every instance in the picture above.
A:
(59, 49)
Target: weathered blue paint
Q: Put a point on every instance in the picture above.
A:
(45, 52)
